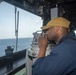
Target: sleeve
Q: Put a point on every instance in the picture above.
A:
(35, 66)
(53, 64)
(37, 61)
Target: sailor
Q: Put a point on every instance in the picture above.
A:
(62, 59)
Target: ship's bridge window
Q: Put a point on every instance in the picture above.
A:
(28, 23)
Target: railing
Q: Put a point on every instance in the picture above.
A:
(21, 70)
(13, 64)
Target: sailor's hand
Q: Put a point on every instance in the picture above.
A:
(43, 42)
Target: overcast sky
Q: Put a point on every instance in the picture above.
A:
(28, 22)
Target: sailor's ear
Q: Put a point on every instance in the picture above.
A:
(57, 28)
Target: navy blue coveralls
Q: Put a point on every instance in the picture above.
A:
(61, 61)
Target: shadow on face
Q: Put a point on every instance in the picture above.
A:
(51, 33)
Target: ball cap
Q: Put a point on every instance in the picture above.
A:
(59, 21)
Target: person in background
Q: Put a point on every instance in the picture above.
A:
(62, 59)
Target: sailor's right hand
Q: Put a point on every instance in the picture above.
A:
(43, 42)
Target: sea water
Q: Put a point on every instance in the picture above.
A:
(23, 43)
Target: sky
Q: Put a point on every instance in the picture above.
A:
(28, 22)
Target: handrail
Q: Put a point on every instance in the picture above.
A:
(16, 70)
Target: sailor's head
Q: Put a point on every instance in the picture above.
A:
(56, 27)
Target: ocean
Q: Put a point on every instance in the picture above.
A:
(23, 43)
